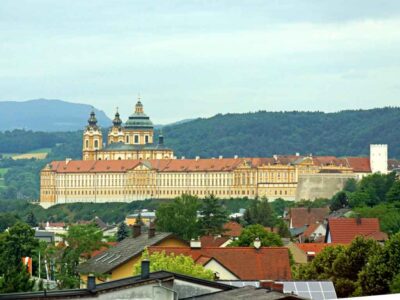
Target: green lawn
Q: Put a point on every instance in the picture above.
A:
(2, 172)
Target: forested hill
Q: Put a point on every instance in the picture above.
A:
(46, 115)
(267, 133)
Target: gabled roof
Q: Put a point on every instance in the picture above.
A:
(232, 228)
(247, 263)
(314, 247)
(344, 230)
(301, 216)
(120, 253)
(213, 241)
(312, 228)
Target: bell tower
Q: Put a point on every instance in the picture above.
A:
(92, 139)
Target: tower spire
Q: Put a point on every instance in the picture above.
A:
(139, 106)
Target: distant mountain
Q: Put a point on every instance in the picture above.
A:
(267, 133)
(159, 126)
(47, 115)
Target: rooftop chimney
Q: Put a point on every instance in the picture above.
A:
(91, 282)
(136, 230)
(145, 269)
(195, 244)
(257, 243)
(152, 230)
(275, 157)
(358, 220)
(272, 285)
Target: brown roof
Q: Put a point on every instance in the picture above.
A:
(213, 241)
(232, 228)
(359, 164)
(301, 216)
(344, 230)
(314, 247)
(247, 263)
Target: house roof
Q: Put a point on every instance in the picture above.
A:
(344, 230)
(213, 241)
(301, 216)
(247, 292)
(124, 283)
(232, 228)
(312, 228)
(126, 249)
(247, 263)
(314, 247)
(359, 164)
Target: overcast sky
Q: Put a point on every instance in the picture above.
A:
(198, 58)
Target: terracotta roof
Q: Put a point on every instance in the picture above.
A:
(233, 229)
(301, 216)
(246, 263)
(102, 249)
(213, 241)
(314, 247)
(310, 229)
(346, 229)
(359, 164)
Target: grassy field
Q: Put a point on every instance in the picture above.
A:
(38, 154)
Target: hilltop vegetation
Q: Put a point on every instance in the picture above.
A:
(268, 133)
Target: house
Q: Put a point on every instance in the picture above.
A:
(305, 252)
(46, 236)
(344, 230)
(232, 229)
(237, 263)
(314, 233)
(118, 262)
(215, 241)
(301, 216)
(156, 285)
(146, 216)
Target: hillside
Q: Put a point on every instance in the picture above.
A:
(268, 133)
(46, 115)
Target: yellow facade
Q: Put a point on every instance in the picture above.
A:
(127, 269)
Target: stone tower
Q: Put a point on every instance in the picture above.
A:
(92, 139)
(379, 158)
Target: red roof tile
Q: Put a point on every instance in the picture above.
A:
(213, 241)
(314, 247)
(344, 230)
(246, 263)
(359, 164)
(301, 216)
(233, 229)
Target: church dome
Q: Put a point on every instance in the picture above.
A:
(139, 120)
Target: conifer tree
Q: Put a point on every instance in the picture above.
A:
(123, 231)
(213, 216)
(31, 219)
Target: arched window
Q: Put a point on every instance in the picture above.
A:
(136, 139)
(86, 144)
(96, 144)
(146, 139)
(127, 139)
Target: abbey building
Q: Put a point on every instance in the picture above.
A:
(132, 166)
(132, 140)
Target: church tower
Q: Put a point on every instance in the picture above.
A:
(92, 139)
(116, 134)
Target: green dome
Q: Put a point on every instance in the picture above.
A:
(138, 121)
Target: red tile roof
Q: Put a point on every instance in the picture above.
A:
(359, 164)
(314, 247)
(102, 249)
(301, 216)
(311, 228)
(246, 263)
(213, 241)
(344, 230)
(233, 229)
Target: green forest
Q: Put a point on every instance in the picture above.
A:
(251, 134)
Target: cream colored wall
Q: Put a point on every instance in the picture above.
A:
(223, 273)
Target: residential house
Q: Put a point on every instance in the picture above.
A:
(344, 230)
(301, 216)
(46, 236)
(305, 252)
(232, 229)
(237, 263)
(157, 285)
(146, 216)
(118, 262)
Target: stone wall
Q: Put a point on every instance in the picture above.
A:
(323, 185)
